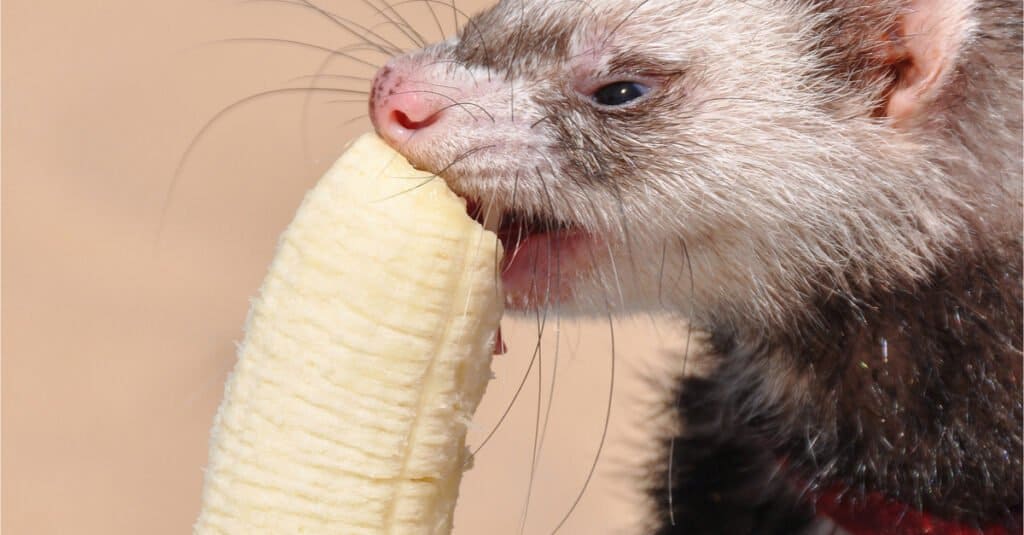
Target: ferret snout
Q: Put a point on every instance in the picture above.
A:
(399, 108)
(449, 119)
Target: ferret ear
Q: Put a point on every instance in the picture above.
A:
(924, 54)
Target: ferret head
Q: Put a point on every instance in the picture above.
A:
(724, 158)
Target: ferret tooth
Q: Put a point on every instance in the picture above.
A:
(491, 216)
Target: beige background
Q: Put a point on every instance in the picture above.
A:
(115, 344)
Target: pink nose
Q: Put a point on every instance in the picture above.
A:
(398, 109)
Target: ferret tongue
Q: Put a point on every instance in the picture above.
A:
(540, 269)
(537, 266)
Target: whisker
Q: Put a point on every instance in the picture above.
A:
(615, 274)
(541, 322)
(424, 82)
(456, 102)
(329, 76)
(339, 52)
(604, 431)
(593, 10)
(349, 122)
(383, 44)
(508, 409)
(541, 120)
(623, 21)
(538, 443)
(465, 155)
(661, 273)
(686, 357)
(307, 102)
(437, 20)
(403, 27)
(558, 316)
(455, 11)
(460, 65)
(345, 101)
(470, 24)
(768, 101)
(497, 246)
(515, 189)
(200, 135)
(515, 54)
(439, 173)
(611, 256)
(625, 228)
(339, 21)
(359, 92)
(481, 43)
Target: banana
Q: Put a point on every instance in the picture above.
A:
(365, 355)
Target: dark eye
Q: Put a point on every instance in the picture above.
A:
(620, 93)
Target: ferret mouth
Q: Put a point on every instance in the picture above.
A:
(543, 256)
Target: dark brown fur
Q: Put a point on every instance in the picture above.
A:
(916, 394)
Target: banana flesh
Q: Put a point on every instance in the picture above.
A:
(365, 355)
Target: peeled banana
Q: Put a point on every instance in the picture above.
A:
(365, 355)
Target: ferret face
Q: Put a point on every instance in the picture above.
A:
(696, 155)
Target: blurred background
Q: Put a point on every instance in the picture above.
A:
(124, 289)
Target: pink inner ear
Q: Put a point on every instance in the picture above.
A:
(932, 32)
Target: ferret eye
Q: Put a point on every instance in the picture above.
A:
(619, 93)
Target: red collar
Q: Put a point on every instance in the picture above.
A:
(877, 515)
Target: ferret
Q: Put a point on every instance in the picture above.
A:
(828, 191)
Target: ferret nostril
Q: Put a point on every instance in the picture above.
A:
(402, 119)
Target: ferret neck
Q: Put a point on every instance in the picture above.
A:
(924, 379)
